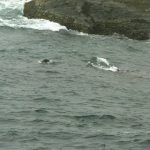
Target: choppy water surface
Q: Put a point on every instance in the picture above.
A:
(69, 104)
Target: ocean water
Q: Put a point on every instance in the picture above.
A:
(94, 94)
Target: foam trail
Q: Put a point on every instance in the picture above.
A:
(111, 68)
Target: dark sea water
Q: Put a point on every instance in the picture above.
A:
(67, 104)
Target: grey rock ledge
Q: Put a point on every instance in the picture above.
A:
(127, 17)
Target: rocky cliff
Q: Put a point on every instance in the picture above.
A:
(128, 17)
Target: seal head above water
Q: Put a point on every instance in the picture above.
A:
(44, 61)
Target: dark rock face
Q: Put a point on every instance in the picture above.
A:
(128, 17)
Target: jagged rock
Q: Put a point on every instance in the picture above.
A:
(128, 17)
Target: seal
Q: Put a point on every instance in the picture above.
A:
(101, 63)
(44, 61)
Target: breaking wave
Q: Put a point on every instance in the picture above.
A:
(11, 15)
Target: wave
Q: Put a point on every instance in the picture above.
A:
(146, 142)
(11, 15)
(39, 24)
(41, 110)
(102, 63)
(95, 117)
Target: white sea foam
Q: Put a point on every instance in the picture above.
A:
(110, 68)
(78, 33)
(11, 4)
(11, 15)
(102, 60)
(23, 22)
(17, 20)
(102, 63)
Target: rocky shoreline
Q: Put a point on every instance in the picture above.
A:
(127, 17)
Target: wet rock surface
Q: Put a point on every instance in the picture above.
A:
(128, 17)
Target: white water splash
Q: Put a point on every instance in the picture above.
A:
(77, 33)
(11, 15)
(102, 60)
(23, 22)
(102, 63)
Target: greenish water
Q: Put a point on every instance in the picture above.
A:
(68, 105)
